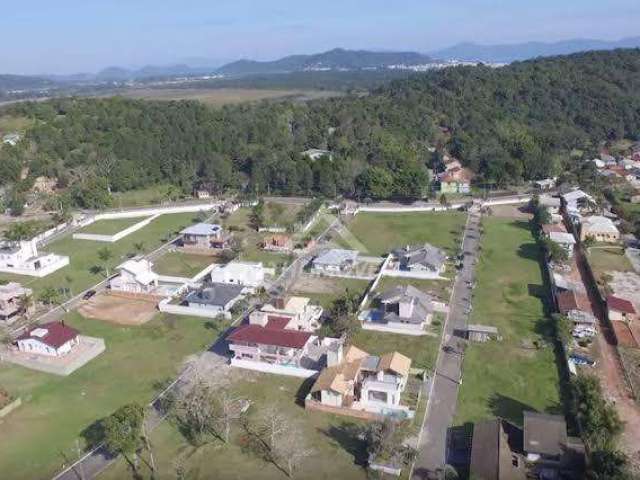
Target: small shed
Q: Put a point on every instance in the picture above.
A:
(481, 333)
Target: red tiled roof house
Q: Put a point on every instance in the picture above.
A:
(620, 309)
(52, 339)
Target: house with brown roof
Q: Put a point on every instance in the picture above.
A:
(355, 380)
(496, 451)
(11, 301)
(547, 445)
(278, 243)
(52, 339)
(620, 309)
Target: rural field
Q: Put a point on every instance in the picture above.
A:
(504, 378)
(218, 97)
(40, 436)
(81, 273)
(379, 233)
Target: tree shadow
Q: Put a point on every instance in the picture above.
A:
(529, 251)
(304, 389)
(93, 434)
(348, 436)
(523, 224)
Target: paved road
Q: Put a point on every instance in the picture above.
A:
(448, 373)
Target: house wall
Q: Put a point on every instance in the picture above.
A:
(332, 399)
(165, 306)
(31, 345)
(49, 264)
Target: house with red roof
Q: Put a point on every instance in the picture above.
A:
(53, 339)
(620, 309)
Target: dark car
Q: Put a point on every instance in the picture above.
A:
(89, 294)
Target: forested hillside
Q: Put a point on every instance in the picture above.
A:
(509, 124)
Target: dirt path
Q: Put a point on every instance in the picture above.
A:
(611, 373)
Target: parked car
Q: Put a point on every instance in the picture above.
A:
(582, 360)
(89, 294)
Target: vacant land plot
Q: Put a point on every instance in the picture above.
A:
(438, 288)
(182, 264)
(224, 96)
(336, 450)
(37, 439)
(505, 378)
(144, 196)
(81, 272)
(110, 227)
(382, 232)
(281, 214)
(604, 261)
(324, 290)
(119, 310)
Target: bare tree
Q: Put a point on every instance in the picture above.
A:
(272, 425)
(291, 448)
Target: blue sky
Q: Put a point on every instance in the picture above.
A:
(86, 35)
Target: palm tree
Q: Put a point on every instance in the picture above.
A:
(25, 303)
(105, 254)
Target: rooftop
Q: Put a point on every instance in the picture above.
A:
(202, 229)
(269, 336)
(620, 305)
(544, 434)
(13, 290)
(600, 223)
(217, 294)
(52, 334)
(336, 256)
(562, 237)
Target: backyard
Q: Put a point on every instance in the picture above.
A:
(504, 378)
(379, 233)
(40, 436)
(86, 268)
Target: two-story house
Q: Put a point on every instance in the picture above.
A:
(298, 313)
(11, 301)
(204, 236)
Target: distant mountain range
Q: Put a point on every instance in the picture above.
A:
(336, 59)
(524, 51)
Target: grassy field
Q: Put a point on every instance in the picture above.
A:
(335, 449)
(382, 232)
(438, 288)
(604, 260)
(325, 290)
(182, 264)
(110, 227)
(507, 377)
(281, 214)
(41, 435)
(83, 254)
(218, 97)
(140, 197)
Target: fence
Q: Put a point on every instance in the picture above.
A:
(275, 369)
(116, 236)
(166, 307)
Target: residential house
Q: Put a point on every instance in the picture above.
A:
(355, 380)
(546, 442)
(552, 204)
(405, 307)
(545, 184)
(421, 258)
(11, 301)
(136, 276)
(577, 201)
(271, 344)
(278, 243)
(216, 297)
(620, 309)
(316, 153)
(294, 313)
(204, 236)
(11, 139)
(53, 339)
(456, 180)
(548, 228)
(247, 274)
(335, 260)
(599, 228)
(496, 451)
(22, 258)
(565, 240)
(481, 333)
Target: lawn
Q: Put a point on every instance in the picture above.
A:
(182, 264)
(278, 214)
(334, 447)
(41, 435)
(324, 290)
(379, 233)
(140, 197)
(439, 288)
(603, 260)
(110, 227)
(79, 274)
(505, 378)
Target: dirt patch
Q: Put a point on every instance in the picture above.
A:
(626, 285)
(313, 284)
(510, 211)
(119, 310)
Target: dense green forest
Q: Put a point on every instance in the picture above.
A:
(508, 124)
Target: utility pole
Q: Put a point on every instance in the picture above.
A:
(80, 459)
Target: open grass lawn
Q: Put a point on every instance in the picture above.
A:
(278, 214)
(37, 438)
(182, 264)
(335, 448)
(439, 288)
(110, 227)
(504, 378)
(603, 260)
(142, 196)
(382, 232)
(324, 290)
(83, 254)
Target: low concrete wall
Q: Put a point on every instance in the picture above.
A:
(389, 329)
(425, 208)
(272, 229)
(49, 233)
(275, 369)
(375, 282)
(388, 469)
(10, 407)
(116, 236)
(166, 307)
(311, 404)
(146, 212)
(417, 275)
(508, 201)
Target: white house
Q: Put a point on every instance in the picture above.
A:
(136, 276)
(545, 184)
(11, 139)
(577, 200)
(601, 229)
(421, 258)
(316, 153)
(11, 296)
(204, 236)
(565, 240)
(334, 261)
(247, 274)
(294, 313)
(552, 204)
(52, 339)
(22, 258)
